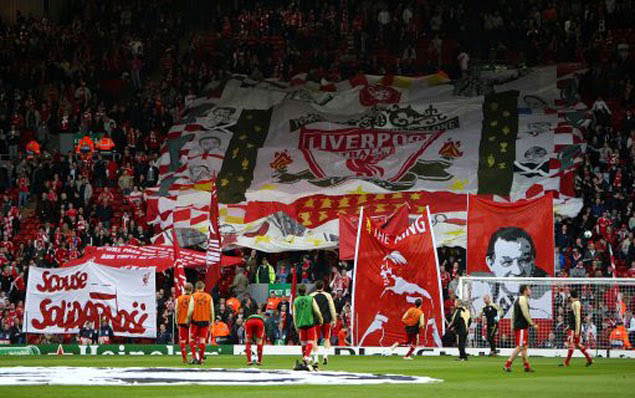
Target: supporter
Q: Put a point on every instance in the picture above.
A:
(5, 334)
(106, 333)
(265, 272)
(87, 335)
(220, 331)
(239, 285)
(164, 336)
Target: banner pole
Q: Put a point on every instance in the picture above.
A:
(359, 232)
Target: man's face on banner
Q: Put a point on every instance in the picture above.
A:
(200, 173)
(209, 143)
(511, 258)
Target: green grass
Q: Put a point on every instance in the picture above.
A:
(479, 377)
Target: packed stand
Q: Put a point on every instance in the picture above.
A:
(117, 75)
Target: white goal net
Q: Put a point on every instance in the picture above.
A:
(607, 310)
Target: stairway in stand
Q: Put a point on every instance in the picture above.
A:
(28, 226)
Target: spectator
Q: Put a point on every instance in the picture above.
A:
(105, 332)
(281, 274)
(273, 301)
(629, 322)
(237, 335)
(559, 331)
(5, 333)
(550, 342)
(589, 333)
(164, 337)
(220, 331)
(579, 271)
(87, 335)
(239, 285)
(265, 272)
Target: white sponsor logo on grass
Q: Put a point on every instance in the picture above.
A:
(170, 376)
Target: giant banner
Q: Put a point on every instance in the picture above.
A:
(510, 240)
(391, 273)
(63, 300)
(276, 145)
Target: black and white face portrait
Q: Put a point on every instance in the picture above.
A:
(209, 144)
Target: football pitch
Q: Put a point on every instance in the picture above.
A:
(478, 377)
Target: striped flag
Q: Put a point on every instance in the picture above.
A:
(213, 255)
(179, 270)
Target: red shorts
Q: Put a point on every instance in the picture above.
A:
(254, 328)
(571, 337)
(184, 334)
(307, 334)
(522, 337)
(323, 331)
(199, 332)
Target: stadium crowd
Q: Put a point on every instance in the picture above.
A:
(121, 72)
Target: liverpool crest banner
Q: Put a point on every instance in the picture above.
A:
(279, 144)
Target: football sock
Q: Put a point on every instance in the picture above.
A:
(586, 354)
(193, 349)
(201, 349)
(308, 350)
(569, 355)
(248, 351)
(260, 347)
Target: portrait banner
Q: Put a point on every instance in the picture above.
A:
(62, 300)
(510, 240)
(522, 232)
(392, 273)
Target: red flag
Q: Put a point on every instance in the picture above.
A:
(389, 277)
(213, 255)
(510, 239)
(294, 284)
(392, 224)
(179, 271)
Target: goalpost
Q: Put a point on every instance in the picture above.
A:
(607, 306)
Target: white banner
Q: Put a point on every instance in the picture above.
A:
(63, 300)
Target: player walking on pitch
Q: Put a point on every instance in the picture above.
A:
(305, 312)
(574, 324)
(181, 309)
(414, 319)
(324, 300)
(255, 332)
(490, 314)
(199, 315)
(521, 321)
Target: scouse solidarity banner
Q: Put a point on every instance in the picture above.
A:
(63, 300)
(391, 274)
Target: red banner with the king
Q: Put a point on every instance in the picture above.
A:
(392, 272)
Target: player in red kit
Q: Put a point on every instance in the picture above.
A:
(200, 313)
(182, 305)
(255, 333)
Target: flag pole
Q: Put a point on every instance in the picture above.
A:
(359, 233)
